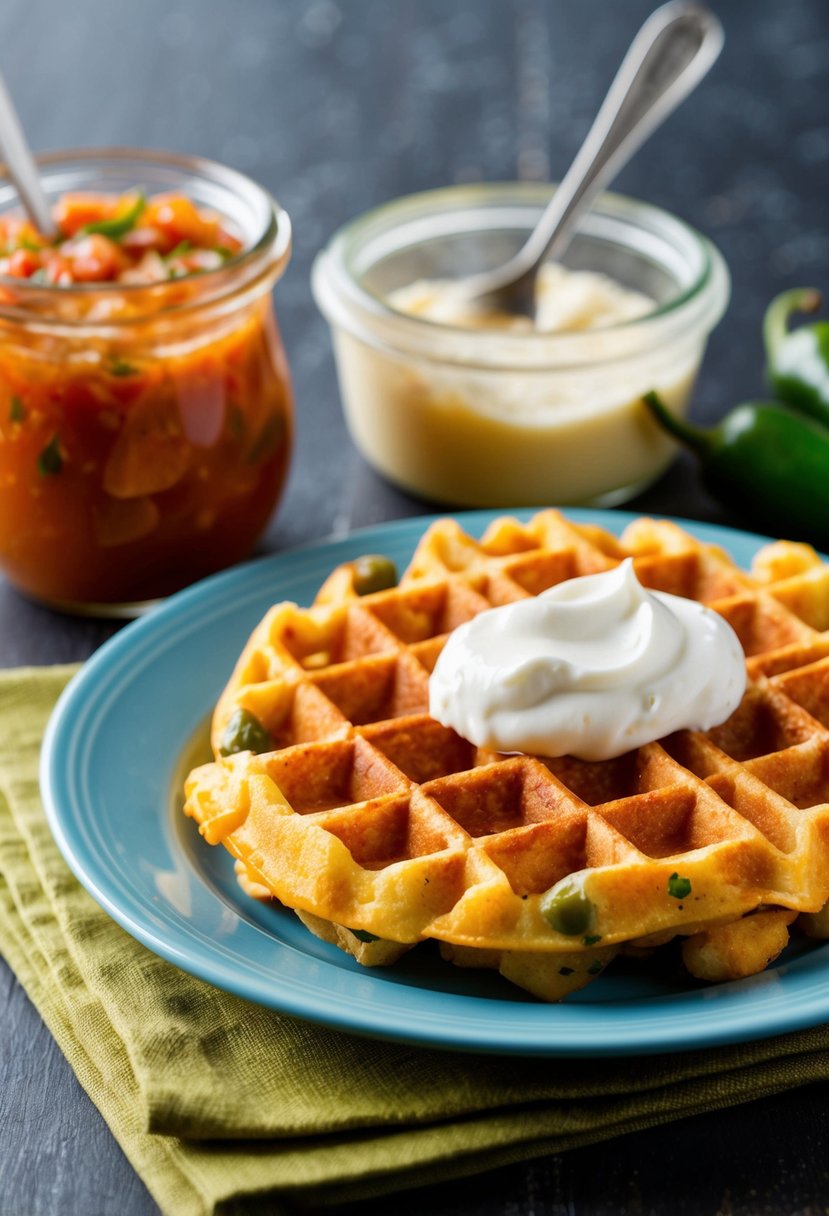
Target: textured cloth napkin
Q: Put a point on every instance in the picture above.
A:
(225, 1107)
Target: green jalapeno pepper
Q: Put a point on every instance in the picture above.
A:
(245, 733)
(769, 463)
(798, 359)
(373, 572)
(567, 908)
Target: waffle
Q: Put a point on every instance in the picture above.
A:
(382, 828)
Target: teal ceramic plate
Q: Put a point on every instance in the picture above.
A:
(112, 765)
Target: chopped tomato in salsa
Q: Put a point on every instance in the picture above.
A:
(117, 238)
(135, 459)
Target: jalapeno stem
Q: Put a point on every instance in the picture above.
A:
(694, 437)
(776, 320)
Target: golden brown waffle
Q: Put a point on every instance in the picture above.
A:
(375, 822)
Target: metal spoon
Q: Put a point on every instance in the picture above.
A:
(667, 59)
(21, 167)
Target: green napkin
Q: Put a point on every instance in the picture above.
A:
(225, 1107)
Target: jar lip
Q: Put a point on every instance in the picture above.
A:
(273, 242)
(338, 289)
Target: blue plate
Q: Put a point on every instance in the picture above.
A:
(114, 758)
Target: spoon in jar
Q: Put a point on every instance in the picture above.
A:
(667, 59)
(21, 168)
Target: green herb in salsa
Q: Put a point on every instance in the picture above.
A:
(50, 460)
(119, 225)
(121, 367)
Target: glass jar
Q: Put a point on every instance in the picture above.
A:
(479, 417)
(145, 429)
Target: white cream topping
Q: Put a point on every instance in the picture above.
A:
(592, 667)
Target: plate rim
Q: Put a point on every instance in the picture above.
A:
(737, 1012)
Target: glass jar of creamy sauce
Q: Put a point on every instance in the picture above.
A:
(489, 411)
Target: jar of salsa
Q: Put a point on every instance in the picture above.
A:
(145, 403)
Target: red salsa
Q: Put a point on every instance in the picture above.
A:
(144, 431)
(117, 239)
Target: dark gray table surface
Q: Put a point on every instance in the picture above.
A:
(335, 107)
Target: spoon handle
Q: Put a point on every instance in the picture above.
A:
(667, 59)
(21, 166)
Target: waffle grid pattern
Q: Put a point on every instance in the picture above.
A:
(369, 814)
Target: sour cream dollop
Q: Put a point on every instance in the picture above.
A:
(592, 667)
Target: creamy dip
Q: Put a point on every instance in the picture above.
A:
(566, 301)
(592, 667)
(518, 416)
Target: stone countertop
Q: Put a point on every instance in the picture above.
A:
(336, 107)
